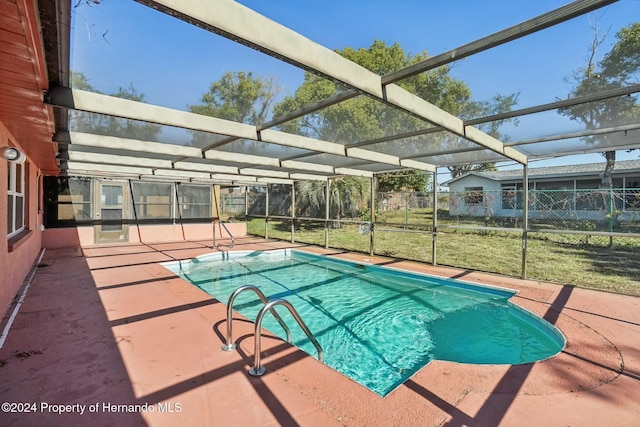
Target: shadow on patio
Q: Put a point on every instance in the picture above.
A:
(111, 325)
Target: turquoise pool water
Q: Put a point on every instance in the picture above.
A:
(377, 325)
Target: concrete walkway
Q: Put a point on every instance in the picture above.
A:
(108, 337)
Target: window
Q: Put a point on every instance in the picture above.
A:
(632, 194)
(473, 195)
(512, 196)
(509, 197)
(152, 201)
(15, 199)
(194, 202)
(67, 201)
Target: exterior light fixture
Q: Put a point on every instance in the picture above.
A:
(13, 155)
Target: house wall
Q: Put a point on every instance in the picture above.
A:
(491, 202)
(546, 206)
(18, 254)
(85, 236)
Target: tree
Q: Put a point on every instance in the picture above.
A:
(473, 109)
(348, 196)
(240, 97)
(237, 96)
(617, 69)
(406, 180)
(364, 118)
(109, 125)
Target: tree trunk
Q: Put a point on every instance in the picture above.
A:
(607, 178)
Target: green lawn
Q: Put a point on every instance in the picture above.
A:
(585, 261)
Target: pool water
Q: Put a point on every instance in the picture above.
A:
(377, 325)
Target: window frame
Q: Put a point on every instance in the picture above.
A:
(183, 208)
(474, 196)
(66, 200)
(141, 207)
(14, 193)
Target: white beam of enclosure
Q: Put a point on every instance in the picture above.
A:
(118, 107)
(109, 105)
(313, 144)
(408, 163)
(371, 156)
(263, 172)
(100, 168)
(105, 162)
(305, 143)
(228, 177)
(419, 107)
(181, 174)
(112, 159)
(580, 134)
(241, 24)
(117, 143)
(354, 172)
(151, 148)
(514, 32)
(139, 146)
(212, 181)
(249, 184)
(185, 165)
(228, 156)
(307, 177)
(540, 22)
(275, 181)
(494, 145)
(294, 164)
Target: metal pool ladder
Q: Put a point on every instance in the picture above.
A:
(257, 369)
(230, 345)
(233, 240)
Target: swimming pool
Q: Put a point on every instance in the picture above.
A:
(377, 325)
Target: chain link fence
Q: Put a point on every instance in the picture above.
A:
(586, 237)
(404, 207)
(591, 210)
(610, 210)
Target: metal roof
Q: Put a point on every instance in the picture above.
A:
(584, 170)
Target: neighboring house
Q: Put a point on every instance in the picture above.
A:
(571, 192)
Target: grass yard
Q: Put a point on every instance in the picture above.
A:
(567, 259)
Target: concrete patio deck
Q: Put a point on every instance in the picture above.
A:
(106, 328)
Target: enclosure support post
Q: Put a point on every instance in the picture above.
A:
(293, 212)
(372, 215)
(434, 235)
(525, 217)
(246, 204)
(213, 230)
(611, 215)
(135, 212)
(213, 217)
(266, 212)
(326, 214)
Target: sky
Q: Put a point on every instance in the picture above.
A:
(119, 43)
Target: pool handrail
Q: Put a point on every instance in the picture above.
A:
(233, 240)
(230, 345)
(258, 370)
